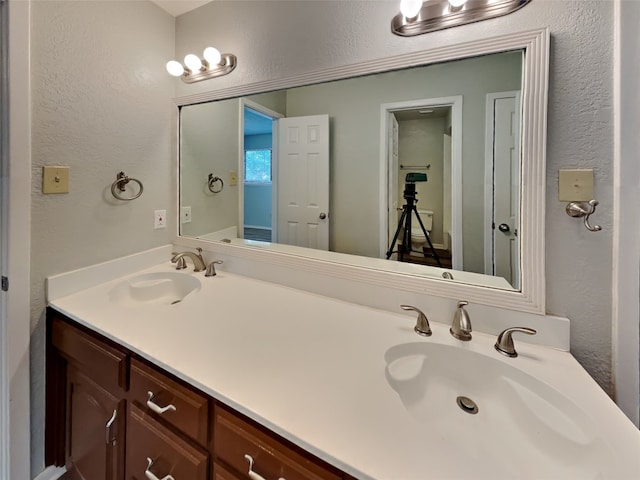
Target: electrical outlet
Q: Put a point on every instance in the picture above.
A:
(159, 219)
(233, 178)
(185, 215)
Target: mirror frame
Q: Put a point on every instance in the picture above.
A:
(535, 75)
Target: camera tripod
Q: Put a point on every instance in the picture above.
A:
(405, 225)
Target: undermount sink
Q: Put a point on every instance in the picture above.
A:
(158, 288)
(491, 410)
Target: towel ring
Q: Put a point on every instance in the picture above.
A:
(212, 182)
(120, 186)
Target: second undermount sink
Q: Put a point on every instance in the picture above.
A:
(157, 288)
(489, 409)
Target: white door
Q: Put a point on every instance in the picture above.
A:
(506, 200)
(303, 181)
(393, 133)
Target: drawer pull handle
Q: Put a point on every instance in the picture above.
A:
(253, 475)
(149, 474)
(107, 428)
(157, 408)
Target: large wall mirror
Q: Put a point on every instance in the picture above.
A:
(429, 167)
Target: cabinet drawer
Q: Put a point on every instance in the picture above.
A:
(235, 437)
(181, 407)
(106, 365)
(170, 454)
(221, 473)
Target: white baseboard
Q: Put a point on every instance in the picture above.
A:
(51, 473)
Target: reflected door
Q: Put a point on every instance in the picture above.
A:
(506, 188)
(303, 181)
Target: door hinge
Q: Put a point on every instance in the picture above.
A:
(5, 280)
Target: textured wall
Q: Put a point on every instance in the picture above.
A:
(101, 103)
(276, 39)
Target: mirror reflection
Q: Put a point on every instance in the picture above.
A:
(419, 166)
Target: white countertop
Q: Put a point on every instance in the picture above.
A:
(312, 369)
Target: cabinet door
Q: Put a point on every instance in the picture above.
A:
(95, 428)
(169, 454)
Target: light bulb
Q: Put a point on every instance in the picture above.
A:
(192, 62)
(175, 68)
(212, 55)
(457, 3)
(410, 8)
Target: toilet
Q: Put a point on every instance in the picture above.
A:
(417, 236)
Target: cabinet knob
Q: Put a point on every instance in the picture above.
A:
(253, 475)
(150, 475)
(157, 408)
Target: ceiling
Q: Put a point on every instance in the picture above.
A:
(178, 7)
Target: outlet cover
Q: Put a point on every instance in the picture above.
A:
(159, 219)
(575, 185)
(55, 179)
(185, 214)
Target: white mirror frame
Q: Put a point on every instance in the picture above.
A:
(531, 297)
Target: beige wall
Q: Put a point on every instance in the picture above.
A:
(275, 39)
(209, 144)
(101, 103)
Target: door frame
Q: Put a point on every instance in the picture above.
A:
(386, 165)
(244, 102)
(15, 319)
(489, 180)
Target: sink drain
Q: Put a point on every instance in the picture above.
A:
(467, 405)
(176, 301)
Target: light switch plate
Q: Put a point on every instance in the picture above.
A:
(185, 214)
(55, 179)
(575, 185)
(233, 179)
(159, 219)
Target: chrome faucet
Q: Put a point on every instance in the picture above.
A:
(504, 344)
(211, 268)
(422, 324)
(196, 258)
(461, 325)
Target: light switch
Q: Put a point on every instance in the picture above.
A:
(55, 179)
(185, 214)
(233, 178)
(575, 185)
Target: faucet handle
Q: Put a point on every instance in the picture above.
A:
(211, 268)
(461, 325)
(181, 263)
(504, 343)
(422, 324)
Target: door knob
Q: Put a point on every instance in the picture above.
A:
(503, 227)
(323, 216)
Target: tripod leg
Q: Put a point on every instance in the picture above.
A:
(395, 237)
(426, 235)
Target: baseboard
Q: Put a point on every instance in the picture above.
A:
(51, 473)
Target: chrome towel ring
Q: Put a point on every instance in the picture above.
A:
(120, 186)
(213, 180)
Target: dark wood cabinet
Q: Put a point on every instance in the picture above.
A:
(154, 450)
(95, 427)
(111, 415)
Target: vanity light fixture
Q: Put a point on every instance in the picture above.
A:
(194, 69)
(417, 17)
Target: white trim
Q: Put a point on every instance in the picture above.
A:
(51, 473)
(531, 298)
(626, 224)
(386, 164)
(16, 355)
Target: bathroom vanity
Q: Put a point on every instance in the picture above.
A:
(159, 373)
